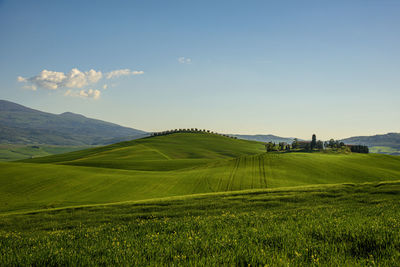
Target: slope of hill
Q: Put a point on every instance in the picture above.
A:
(382, 143)
(22, 125)
(9, 152)
(174, 165)
(265, 138)
(170, 152)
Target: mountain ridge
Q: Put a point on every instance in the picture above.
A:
(380, 143)
(24, 125)
(391, 139)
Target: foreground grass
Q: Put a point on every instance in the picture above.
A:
(321, 225)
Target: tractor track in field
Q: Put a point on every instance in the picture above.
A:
(253, 172)
(241, 179)
(232, 174)
(260, 176)
(207, 181)
(220, 183)
(263, 171)
(268, 161)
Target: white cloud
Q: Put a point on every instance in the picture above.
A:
(91, 93)
(95, 94)
(184, 60)
(30, 87)
(75, 79)
(53, 80)
(122, 72)
(94, 76)
(137, 72)
(21, 79)
(118, 73)
(48, 79)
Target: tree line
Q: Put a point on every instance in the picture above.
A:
(315, 145)
(190, 130)
(353, 148)
(359, 149)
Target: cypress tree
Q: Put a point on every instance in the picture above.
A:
(313, 142)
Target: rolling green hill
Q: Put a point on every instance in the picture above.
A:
(170, 152)
(179, 198)
(9, 152)
(174, 165)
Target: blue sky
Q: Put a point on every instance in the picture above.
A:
(290, 68)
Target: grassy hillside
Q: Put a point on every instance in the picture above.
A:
(9, 152)
(385, 150)
(170, 152)
(336, 225)
(175, 200)
(173, 165)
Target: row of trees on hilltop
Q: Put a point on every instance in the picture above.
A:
(189, 130)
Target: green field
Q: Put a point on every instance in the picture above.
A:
(385, 150)
(198, 198)
(10, 152)
(335, 225)
(173, 165)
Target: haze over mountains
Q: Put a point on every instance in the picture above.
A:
(23, 125)
(389, 139)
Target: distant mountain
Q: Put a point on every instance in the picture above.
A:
(264, 138)
(389, 139)
(23, 125)
(382, 143)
